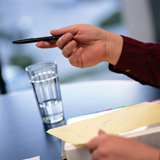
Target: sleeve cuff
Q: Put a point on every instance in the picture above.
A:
(132, 59)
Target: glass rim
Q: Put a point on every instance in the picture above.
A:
(40, 63)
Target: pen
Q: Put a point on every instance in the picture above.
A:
(31, 40)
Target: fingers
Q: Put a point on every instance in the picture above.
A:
(48, 44)
(93, 144)
(70, 49)
(67, 33)
(75, 59)
(64, 40)
(61, 42)
(71, 29)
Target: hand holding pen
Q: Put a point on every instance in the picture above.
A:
(86, 45)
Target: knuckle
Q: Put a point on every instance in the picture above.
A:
(81, 67)
(75, 64)
(68, 47)
(65, 54)
(68, 36)
(72, 62)
(59, 45)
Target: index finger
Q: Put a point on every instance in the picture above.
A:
(72, 29)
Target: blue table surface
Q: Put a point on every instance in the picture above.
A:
(22, 133)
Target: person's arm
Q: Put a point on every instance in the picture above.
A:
(87, 45)
(140, 61)
(107, 147)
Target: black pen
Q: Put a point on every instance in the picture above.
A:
(31, 40)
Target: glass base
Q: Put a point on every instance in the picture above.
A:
(53, 118)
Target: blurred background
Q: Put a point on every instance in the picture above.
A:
(35, 18)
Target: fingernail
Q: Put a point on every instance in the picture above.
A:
(101, 132)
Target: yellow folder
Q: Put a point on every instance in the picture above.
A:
(117, 122)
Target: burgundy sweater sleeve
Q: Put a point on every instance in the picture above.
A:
(139, 61)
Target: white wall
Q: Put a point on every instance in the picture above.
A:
(138, 18)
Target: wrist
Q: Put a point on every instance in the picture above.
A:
(114, 48)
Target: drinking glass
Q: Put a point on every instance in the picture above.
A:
(45, 82)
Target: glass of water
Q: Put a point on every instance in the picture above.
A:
(45, 83)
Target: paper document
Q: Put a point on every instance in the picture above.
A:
(117, 122)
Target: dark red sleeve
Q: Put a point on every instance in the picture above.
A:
(139, 61)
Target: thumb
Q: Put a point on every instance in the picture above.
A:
(101, 132)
